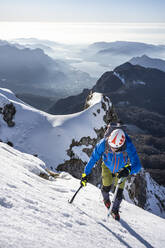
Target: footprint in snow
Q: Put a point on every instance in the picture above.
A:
(11, 186)
(81, 223)
(68, 224)
(60, 190)
(27, 183)
(33, 208)
(30, 201)
(4, 203)
(66, 215)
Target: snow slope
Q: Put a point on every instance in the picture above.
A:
(49, 136)
(35, 212)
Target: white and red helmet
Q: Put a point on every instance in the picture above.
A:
(116, 138)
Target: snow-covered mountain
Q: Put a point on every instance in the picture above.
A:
(146, 61)
(47, 135)
(35, 212)
(65, 142)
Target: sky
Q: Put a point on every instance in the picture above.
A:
(84, 33)
(83, 10)
(83, 21)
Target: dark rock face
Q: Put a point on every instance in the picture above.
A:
(137, 189)
(142, 87)
(75, 167)
(8, 113)
(107, 81)
(158, 175)
(39, 102)
(69, 105)
(150, 122)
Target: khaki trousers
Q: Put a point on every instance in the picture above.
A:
(108, 178)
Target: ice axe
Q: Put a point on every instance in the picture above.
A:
(72, 199)
(114, 196)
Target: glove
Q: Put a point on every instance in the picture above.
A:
(124, 172)
(84, 180)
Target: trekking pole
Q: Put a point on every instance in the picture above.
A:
(71, 200)
(114, 196)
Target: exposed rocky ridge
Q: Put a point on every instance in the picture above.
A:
(69, 105)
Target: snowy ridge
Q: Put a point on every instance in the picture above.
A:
(49, 136)
(35, 212)
(95, 98)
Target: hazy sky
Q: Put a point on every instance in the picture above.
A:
(83, 10)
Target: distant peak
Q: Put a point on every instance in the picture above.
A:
(125, 66)
(144, 56)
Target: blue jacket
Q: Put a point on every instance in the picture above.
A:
(115, 161)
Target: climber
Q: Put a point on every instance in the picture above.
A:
(119, 160)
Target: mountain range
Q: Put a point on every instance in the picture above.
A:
(112, 54)
(95, 58)
(31, 71)
(28, 69)
(127, 48)
(146, 61)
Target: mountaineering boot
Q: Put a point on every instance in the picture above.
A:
(107, 203)
(115, 215)
(105, 193)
